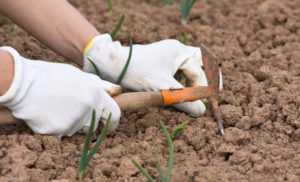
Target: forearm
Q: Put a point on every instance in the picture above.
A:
(6, 71)
(54, 22)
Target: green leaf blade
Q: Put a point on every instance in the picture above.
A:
(184, 38)
(114, 32)
(86, 146)
(186, 6)
(98, 142)
(110, 5)
(178, 128)
(121, 76)
(179, 75)
(95, 67)
(162, 179)
(168, 2)
(171, 150)
(142, 170)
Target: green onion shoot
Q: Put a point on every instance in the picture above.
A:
(170, 162)
(186, 6)
(114, 32)
(85, 155)
(121, 76)
(178, 128)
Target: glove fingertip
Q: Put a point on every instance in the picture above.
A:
(110, 88)
(195, 108)
(113, 108)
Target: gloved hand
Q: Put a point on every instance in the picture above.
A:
(56, 98)
(152, 66)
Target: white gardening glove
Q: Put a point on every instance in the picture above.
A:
(152, 66)
(57, 98)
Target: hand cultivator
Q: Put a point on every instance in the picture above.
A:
(164, 97)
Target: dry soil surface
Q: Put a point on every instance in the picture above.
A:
(258, 43)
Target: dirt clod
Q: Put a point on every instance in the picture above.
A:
(236, 136)
(231, 114)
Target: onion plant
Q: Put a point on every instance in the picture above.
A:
(121, 76)
(85, 155)
(168, 2)
(178, 128)
(114, 32)
(186, 6)
(170, 162)
(110, 5)
(116, 29)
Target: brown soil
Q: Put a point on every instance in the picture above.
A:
(258, 43)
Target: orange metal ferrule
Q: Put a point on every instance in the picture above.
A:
(173, 96)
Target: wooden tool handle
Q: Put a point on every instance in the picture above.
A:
(133, 101)
(6, 117)
(127, 102)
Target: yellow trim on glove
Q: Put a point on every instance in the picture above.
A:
(88, 45)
